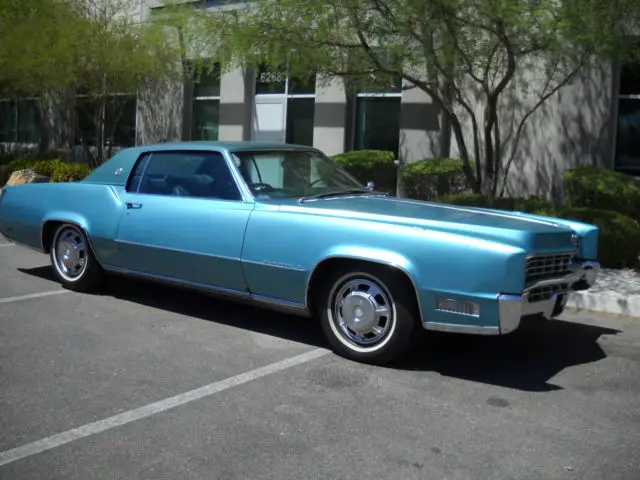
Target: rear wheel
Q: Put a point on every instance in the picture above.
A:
(73, 261)
(368, 314)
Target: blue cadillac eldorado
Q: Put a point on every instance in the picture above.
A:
(284, 226)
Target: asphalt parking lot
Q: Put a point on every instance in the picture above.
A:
(147, 382)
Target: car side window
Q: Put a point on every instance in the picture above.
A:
(136, 175)
(188, 174)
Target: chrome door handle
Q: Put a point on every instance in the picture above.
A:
(133, 205)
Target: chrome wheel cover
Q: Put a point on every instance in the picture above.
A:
(363, 312)
(70, 253)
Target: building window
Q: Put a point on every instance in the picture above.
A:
(627, 155)
(118, 127)
(377, 117)
(20, 121)
(299, 95)
(120, 121)
(206, 104)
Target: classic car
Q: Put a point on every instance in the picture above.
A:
(285, 227)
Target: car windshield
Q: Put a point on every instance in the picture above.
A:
(293, 173)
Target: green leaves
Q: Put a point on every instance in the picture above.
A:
(91, 46)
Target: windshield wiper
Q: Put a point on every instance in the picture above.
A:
(338, 193)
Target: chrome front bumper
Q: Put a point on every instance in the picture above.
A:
(513, 307)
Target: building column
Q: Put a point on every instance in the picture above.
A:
(237, 92)
(330, 117)
(422, 130)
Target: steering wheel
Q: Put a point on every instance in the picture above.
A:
(262, 187)
(314, 182)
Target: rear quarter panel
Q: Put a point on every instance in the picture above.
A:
(282, 248)
(94, 207)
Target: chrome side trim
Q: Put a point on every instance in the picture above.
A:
(178, 250)
(274, 265)
(212, 255)
(230, 294)
(361, 259)
(450, 327)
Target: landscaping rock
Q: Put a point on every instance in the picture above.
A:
(22, 177)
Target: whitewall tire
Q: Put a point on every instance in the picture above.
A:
(368, 314)
(72, 259)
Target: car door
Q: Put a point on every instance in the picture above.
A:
(184, 219)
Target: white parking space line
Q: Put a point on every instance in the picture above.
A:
(32, 295)
(59, 439)
(6, 244)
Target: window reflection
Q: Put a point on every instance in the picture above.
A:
(628, 141)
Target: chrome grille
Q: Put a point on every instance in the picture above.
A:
(544, 267)
(545, 293)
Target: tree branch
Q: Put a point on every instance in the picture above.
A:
(544, 97)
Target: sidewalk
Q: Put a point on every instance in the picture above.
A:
(615, 291)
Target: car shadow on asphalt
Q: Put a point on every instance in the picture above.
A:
(525, 360)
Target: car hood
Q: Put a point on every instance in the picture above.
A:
(513, 228)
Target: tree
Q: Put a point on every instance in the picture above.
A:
(469, 56)
(84, 57)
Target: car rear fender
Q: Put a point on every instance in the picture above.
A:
(98, 216)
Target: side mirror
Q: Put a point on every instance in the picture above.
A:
(369, 186)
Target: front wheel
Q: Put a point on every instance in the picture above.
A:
(367, 314)
(73, 261)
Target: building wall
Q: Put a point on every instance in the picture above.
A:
(330, 116)
(574, 127)
(236, 92)
(423, 132)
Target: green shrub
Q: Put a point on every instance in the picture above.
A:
(619, 238)
(56, 169)
(69, 172)
(430, 178)
(48, 167)
(20, 164)
(603, 188)
(467, 200)
(371, 165)
(527, 205)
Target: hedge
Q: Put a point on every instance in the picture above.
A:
(56, 170)
(603, 188)
(619, 239)
(433, 177)
(371, 165)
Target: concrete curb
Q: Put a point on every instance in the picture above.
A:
(614, 303)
